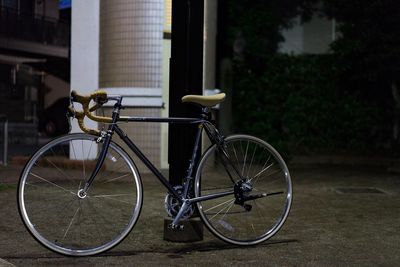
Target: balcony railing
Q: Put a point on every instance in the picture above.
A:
(30, 27)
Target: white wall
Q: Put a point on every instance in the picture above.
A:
(210, 39)
(294, 36)
(85, 50)
(165, 99)
(312, 37)
(318, 35)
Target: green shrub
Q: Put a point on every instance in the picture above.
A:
(297, 106)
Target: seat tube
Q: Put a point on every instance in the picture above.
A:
(193, 161)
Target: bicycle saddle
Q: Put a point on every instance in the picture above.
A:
(206, 101)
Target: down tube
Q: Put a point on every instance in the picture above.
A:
(146, 161)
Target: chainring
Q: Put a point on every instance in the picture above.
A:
(173, 205)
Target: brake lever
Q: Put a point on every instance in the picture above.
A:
(100, 100)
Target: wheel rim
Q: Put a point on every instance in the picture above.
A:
(260, 170)
(60, 216)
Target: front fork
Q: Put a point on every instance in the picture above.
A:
(105, 137)
(100, 161)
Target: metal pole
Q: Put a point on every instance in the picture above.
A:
(5, 142)
(186, 77)
(4, 119)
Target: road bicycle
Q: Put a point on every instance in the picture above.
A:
(81, 193)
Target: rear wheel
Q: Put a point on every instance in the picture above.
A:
(261, 190)
(59, 215)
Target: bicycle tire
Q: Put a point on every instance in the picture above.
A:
(262, 172)
(62, 221)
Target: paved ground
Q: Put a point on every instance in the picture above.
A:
(341, 216)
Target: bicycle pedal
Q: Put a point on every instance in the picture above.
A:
(176, 227)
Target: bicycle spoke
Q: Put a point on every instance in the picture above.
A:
(96, 220)
(70, 223)
(258, 210)
(116, 178)
(216, 206)
(245, 157)
(234, 152)
(271, 181)
(83, 163)
(61, 171)
(47, 181)
(118, 166)
(265, 164)
(262, 171)
(251, 162)
(85, 225)
(263, 199)
(227, 207)
(111, 197)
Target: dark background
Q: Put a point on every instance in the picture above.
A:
(344, 101)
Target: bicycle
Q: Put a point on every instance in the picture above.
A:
(81, 193)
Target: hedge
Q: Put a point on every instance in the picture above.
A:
(297, 105)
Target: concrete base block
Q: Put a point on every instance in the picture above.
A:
(192, 231)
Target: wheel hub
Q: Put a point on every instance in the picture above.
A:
(241, 190)
(81, 194)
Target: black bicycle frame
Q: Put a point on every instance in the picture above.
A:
(150, 165)
(203, 123)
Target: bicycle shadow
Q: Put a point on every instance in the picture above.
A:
(171, 252)
(207, 246)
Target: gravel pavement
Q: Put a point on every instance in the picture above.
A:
(341, 216)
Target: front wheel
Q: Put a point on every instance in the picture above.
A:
(61, 217)
(260, 186)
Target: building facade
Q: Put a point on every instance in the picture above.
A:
(34, 68)
(124, 47)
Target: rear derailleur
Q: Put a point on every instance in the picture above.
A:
(242, 191)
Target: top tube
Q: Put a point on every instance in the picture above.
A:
(161, 119)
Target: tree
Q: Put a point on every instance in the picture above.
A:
(362, 77)
(255, 28)
(368, 49)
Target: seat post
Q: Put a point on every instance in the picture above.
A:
(206, 113)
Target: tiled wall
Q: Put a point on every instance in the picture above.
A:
(131, 33)
(131, 54)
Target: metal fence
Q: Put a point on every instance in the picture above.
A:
(30, 27)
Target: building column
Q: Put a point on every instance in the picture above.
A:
(85, 53)
(85, 49)
(131, 51)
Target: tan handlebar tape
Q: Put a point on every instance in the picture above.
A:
(84, 99)
(99, 95)
(80, 116)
